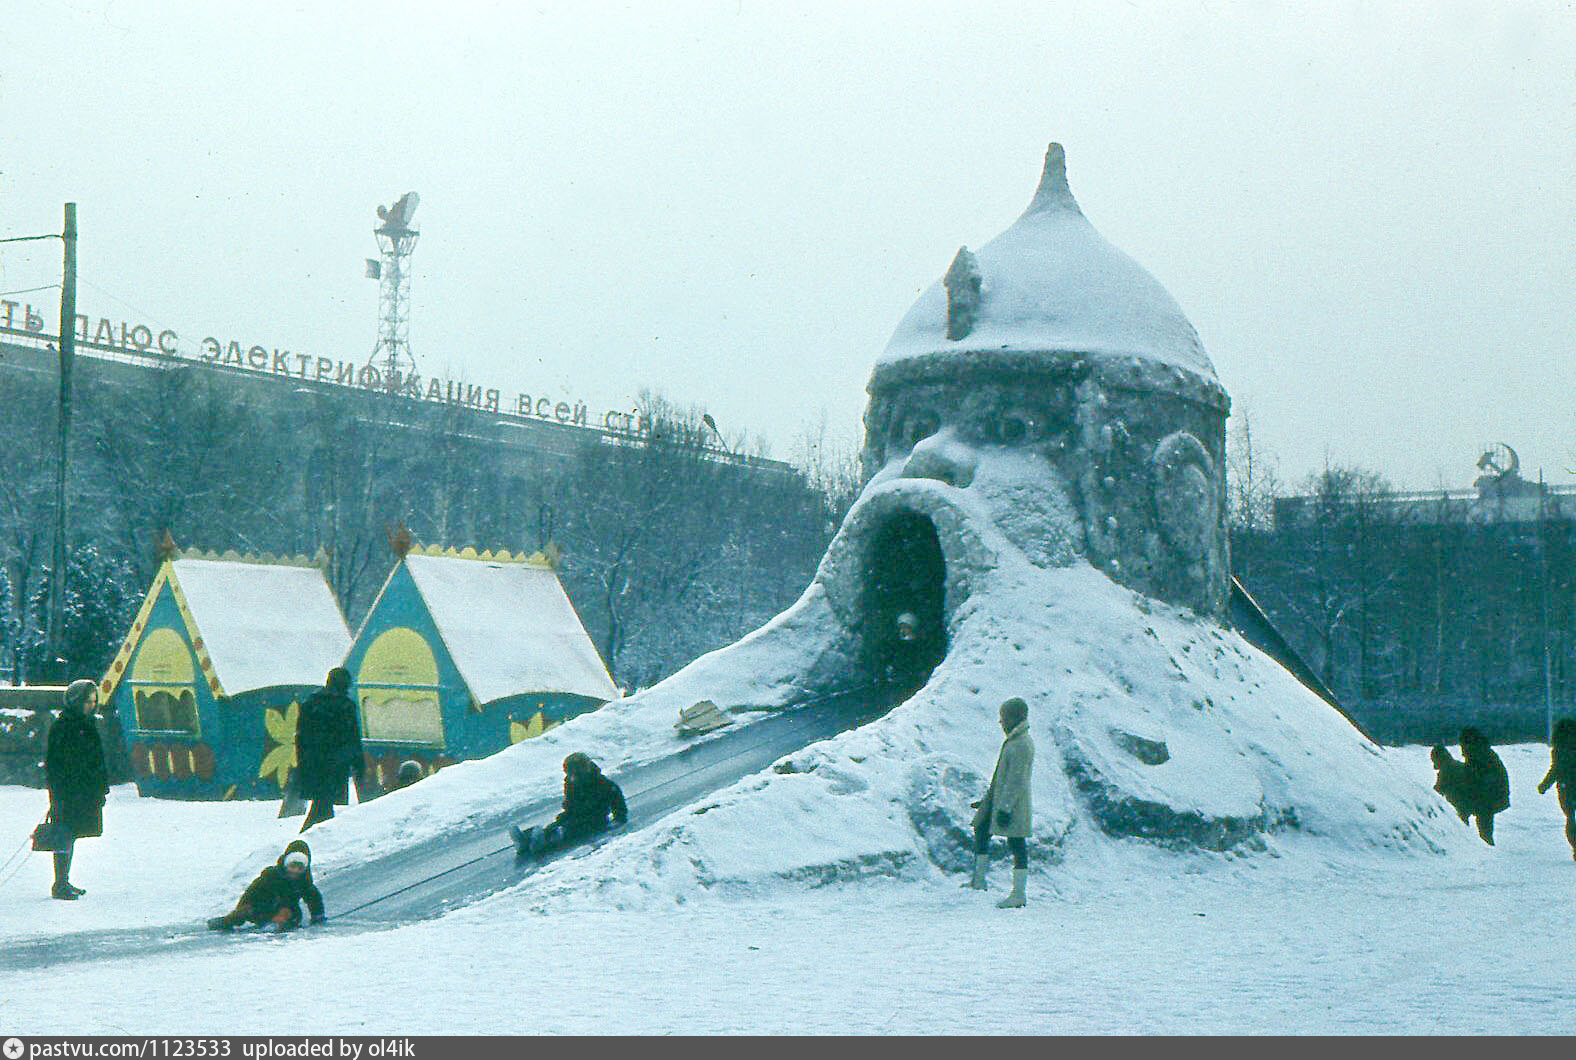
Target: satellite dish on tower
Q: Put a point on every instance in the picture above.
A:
(392, 366)
(398, 216)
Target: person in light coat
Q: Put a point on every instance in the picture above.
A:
(1007, 809)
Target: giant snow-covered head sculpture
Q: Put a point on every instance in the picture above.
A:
(1048, 397)
(1054, 378)
(1042, 521)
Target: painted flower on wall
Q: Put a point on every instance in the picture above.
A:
(524, 730)
(280, 758)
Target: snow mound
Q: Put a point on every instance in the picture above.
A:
(1159, 736)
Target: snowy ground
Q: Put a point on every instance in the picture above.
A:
(1307, 941)
(157, 862)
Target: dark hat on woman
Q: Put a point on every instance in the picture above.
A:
(79, 692)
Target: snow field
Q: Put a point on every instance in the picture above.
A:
(1300, 944)
(160, 861)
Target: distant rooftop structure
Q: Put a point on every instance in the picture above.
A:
(1499, 495)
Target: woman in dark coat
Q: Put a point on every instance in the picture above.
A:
(1486, 781)
(78, 782)
(328, 747)
(1562, 774)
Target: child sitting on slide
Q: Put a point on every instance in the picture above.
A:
(273, 900)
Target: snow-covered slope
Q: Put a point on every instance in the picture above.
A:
(1156, 731)
(1253, 764)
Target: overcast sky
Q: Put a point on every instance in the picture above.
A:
(1368, 210)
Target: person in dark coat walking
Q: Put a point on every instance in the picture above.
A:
(592, 804)
(328, 747)
(78, 781)
(273, 900)
(1562, 774)
(1487, 783)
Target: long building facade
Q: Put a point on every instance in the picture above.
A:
(264, 451)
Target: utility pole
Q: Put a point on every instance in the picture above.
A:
(1548, 660)
(55, 635)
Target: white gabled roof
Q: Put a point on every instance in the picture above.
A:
(262, 624)
(510, 628)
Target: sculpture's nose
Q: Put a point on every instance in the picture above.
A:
(943, 458)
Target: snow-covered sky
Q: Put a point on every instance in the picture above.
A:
(1367, 209)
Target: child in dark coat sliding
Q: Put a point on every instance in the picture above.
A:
(273, 900)
(592, 804)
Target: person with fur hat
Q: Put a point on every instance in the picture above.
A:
(328, 747)
(273, 900)
(78, 781)
(1006, 809)
(592, 804)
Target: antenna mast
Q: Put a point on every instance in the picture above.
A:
(391, 357)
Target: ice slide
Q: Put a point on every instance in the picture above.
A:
(428, 879)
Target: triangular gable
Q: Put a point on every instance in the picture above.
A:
(122, 661)
(261, 624)
(509, 626)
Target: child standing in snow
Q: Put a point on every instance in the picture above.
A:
(273, 900)
(1006, 809)
(1562, 774)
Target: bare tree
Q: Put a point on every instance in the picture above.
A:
(180, 454)
(676, 544)
(830, 466)
(26, 507)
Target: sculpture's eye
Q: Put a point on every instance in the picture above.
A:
(1014, 427)
(918, 426)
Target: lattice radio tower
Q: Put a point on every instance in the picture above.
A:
(391, 357)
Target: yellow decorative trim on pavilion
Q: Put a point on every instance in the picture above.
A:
(320, 560)
(547, 557)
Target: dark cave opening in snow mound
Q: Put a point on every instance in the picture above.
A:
(902, 624)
